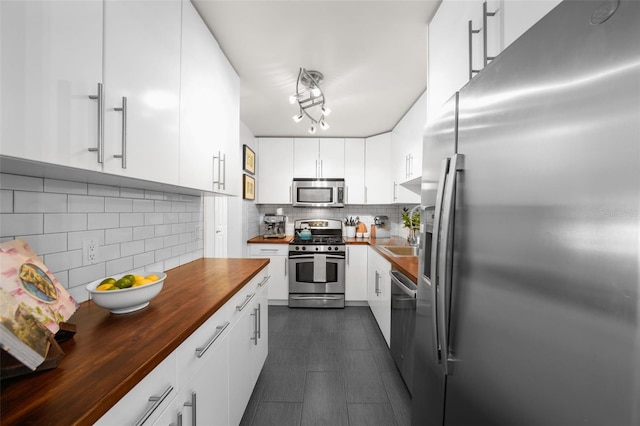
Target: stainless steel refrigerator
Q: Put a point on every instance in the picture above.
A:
(528, 298)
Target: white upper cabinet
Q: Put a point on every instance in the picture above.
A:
(51, 62)
(406, 142)
(275, 170)
(519, 16)
(378, 178)
(354, 156)
(142, 96)
(209, 111)
(318, 158)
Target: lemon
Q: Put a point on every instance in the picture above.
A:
(153, 277)
(105, 286)
(142, 282)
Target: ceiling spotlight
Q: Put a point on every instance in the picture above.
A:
(310, 99)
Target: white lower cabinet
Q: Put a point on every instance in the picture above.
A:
(355, 272)
(147, 400)
(379, 292)
(278, 268)
(209, 378)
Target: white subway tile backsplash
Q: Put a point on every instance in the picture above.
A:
(131, 248)
(75, 239)
(84, 275)
(131, 219)
(64, 260)
(20, 224)
(131, 193)
(154, 244)
(123, 205)
(143, 232)
(47, 243)
(118, 235)
(85, 204)
(39, 202)
(153, 195)
(6, 201)
(144, 259)
(135, 229)
(21, 183)
(103, 220)
(103, 190)
(162, 206)
(144, 206)
(119, 266)
(65, 186)
(154, 219)
(64, 222)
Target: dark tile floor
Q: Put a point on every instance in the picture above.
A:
(327, 367)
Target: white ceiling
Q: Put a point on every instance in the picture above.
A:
(373, 55)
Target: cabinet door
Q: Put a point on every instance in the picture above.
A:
(275, 170)
(306, 157)
(142, 63)
(331, 158)
(354, 167)
(380, 292)
(519, 16)
(356, 273)
(278, 288)
(50, 63)
(261, 344)
(448, 51)
(378, 180)
(208, 388)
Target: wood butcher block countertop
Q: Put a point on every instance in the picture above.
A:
(110, 353)
(408, 265)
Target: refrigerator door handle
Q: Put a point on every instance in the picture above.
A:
(435, 250)
(445, 261)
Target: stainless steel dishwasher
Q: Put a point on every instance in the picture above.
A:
(403, 319)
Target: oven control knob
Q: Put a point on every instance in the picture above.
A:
(329, 248)
(304, 248)
(336, 249)
(297, 248)
(317, 248)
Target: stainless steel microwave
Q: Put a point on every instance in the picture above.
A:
(318, 192)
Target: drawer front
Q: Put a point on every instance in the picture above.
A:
(266, 250)
(241, 300)
(136, 407)
(194, 351)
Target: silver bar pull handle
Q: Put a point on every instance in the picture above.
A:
(100, 148)
(395, 191)
(435, 253)
(219, 330)
(259, 321)
(365, 194)
(179, 419)
(290, 194)
(485, 15)
(223, 162)
(377, 287)
(247, 300)
(157, 402)
(472, 71)
(123, 156)
(446, 260)
(255, 315)
(217, 180)
(286, 267)
(192, 404)
(264, 281)
(348, 253)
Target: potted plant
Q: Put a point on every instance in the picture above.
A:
(413, 223)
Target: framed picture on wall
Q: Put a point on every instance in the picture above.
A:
(248, 187)
(248, 160)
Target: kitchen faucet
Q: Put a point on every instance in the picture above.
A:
(413, 239)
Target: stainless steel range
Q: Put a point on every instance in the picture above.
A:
(316, 264)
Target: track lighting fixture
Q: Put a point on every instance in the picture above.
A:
(310, 99)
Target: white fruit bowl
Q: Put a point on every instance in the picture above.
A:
(126, 300)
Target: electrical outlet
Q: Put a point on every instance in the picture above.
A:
(90, 252)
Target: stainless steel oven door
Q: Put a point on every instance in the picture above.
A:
(316, 273)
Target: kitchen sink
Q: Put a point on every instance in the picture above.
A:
(400, 251)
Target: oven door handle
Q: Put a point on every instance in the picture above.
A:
(316, 297)
(311, 256)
